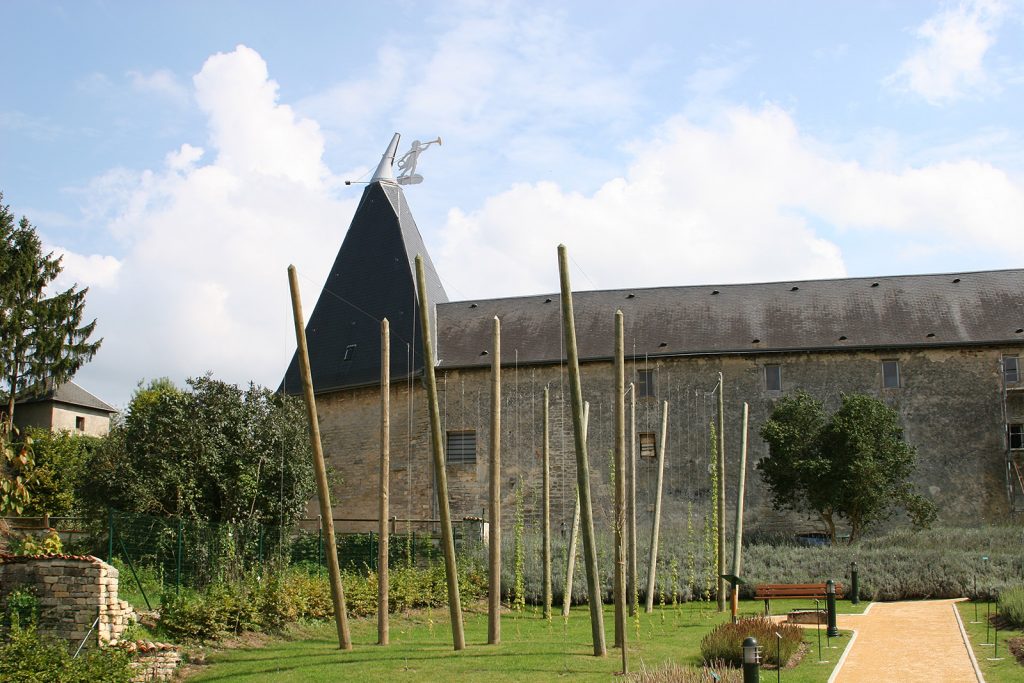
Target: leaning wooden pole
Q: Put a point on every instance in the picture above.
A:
(582, 461)
(631, 596)
(737, 541)
(574, 533)
(620, 488)
(546, 458)
(721, 493)
(652, 560)
(440, 476)
(494, 540)
(384, 512)
(323, 492)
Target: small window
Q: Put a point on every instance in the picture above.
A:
(80, 423)
(1011, 369)
(645, 383)
(773, 377)
(890, 374)
(647, 445)
(1015, 434)
(461, 448)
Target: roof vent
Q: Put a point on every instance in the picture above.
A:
(930, 335)
(842, 338)
(548, 300)
(756, 341)
(793, 288)
(484, 353)
(714, 291)
(350, 351)
(662, 345)
(472, 305)
(956, 280)
(874, 284)
(631, 296)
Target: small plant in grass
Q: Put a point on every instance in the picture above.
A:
(518, 554)
(677, 673)
(725, 642)
(1011, 606)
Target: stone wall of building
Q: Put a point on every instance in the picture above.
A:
(950, 402)
(72, 591)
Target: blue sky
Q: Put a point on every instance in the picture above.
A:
(182, 154)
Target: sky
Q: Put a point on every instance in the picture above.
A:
(180, 155)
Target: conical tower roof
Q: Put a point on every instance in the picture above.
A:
(373, 277)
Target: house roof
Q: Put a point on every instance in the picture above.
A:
(373, 277)
(71, 394)
(985, 307)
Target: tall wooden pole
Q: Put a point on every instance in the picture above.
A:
(323, 492)
(582, 461)
(494, 541)
(631, 596)
(546, 457)
(721, 493)
(652, 562)
(384, 513)
(737, 541)
(620, 488)
(440, 476)
(574, 533)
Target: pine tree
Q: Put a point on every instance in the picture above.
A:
(42, 339)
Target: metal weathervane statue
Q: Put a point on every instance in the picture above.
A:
(407, 164)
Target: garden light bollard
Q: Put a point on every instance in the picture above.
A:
(751, 661)
(830, 605)
(854, 589)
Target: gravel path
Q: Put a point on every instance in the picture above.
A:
(906, 642)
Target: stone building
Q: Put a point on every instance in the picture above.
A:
(67, 407)
(941, 349)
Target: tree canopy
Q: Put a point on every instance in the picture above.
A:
(43, 342)
(852, 466)
(212, 451)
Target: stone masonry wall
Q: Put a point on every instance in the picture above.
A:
(72, 591)
(949, 402)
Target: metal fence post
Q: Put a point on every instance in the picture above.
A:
(177, 558)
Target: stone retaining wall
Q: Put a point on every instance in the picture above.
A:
(72, 590)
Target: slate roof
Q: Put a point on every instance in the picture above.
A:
(373, 277)
(71, 394)
(953, 309)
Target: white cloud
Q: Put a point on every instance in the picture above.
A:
(739, 202)
(97, 271)
(161, 82)
(201, 281)
(950, 64)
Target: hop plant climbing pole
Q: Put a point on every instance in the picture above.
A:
(620, 490)
(494, 541)
(721, 493)
(574, 534)
(440, 476)
(737, 541)
(631, 592)
(582, 461)
(383, 577)
(546, 457)
(323, 492)
(652, 562)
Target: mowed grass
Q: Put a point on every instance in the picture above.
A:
(1005, 669)
(532, 648)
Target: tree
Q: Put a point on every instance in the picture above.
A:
(62, 459)
(43, 342)
(853, 466)
(211, 451)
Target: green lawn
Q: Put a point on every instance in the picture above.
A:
(1004, 670)
(532, 649)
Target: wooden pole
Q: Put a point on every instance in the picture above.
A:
(631, 596)
(620, 488)
(574, 533)
(737, 541)
(384, 513)
(652, 562)
(582, 461)
(546, 457)
(494, 541)
(440, 475)
(721, 493)
(323, 492)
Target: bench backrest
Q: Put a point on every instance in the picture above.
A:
(793, 590)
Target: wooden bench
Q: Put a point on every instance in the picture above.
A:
(812, 591)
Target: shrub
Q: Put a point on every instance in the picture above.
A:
(674, 673)
(27, 656)
(1011, 606)
(725, 642)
